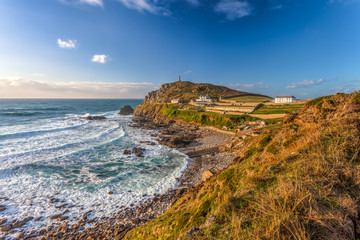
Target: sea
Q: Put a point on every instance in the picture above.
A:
(51, 160)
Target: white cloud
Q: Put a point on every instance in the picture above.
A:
(188, 72)
(233, 9)
(25, 88)
(140, 5)
(93, 2)
(305, 83)
(99, 58)
(71, 44)
(151, 6)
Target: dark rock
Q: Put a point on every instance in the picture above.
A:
(126, 110)
(62, 218)
(110, 193)
(5, 228)
(2, 208)
(19, 224)
(139, 152)
(93, 118)
(127, 152)
(54, 200)
(4, 198)
(61, 206)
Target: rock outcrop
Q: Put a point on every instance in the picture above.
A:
(126, 110)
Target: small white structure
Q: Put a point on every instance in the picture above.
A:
(204, 98)
(175, 100)
(284, 99)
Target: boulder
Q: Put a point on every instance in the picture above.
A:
(126, 110)
(206, 175)
(139, 152)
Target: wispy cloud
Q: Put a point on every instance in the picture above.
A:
(98, 3)
(70, 44)
(25, 88)
(188, 72)
(151, 6)
(93, 2)
(194, 2)
(346, 2)
(99, 58)
(233, 9)
(305, 83)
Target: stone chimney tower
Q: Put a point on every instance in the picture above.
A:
(179, 78)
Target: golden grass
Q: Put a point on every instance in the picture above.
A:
(311, 192)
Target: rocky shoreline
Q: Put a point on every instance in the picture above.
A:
(207, 154)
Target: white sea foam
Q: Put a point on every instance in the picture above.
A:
(79, 162)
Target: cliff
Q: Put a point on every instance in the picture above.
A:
(298, 180)
(190, 91)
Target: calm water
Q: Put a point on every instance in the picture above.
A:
(46, 151)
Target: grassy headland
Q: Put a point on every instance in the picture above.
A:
(299, 180)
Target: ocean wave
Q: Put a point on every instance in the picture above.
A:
(32, 133)
(21, 114)
(56, 149)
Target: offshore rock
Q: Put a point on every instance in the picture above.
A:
(139, 152)
(126, 110)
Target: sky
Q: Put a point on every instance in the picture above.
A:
(126, 48)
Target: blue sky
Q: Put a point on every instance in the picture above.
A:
(125, 48)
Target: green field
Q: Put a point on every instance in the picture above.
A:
(278, 109)
(250, 99)
(207, 118)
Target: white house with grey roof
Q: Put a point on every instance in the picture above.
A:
(204, 98)
(284, 99)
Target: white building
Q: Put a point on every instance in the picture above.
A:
(176, 100)
(204, 98)
(284, 99)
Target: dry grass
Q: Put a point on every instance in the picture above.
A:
(297, 181)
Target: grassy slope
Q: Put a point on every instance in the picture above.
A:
(278, 109)
(192, 116)
(312, 193)
(251, 99)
